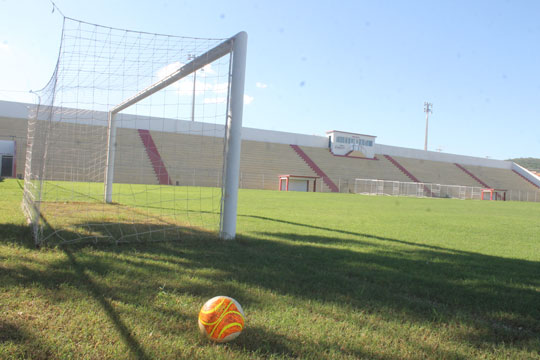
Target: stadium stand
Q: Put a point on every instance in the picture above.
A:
(436, 172)
(154, 157)
(471, 175)
(342, 170)
(132, 162)
(326, 179)
(501, 178)
(356, 153)
(401, 168)
(262, 162)
(185, 160)
(527, 180)
(77, 153)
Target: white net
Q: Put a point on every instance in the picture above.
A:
(414, 189)
(169, 146)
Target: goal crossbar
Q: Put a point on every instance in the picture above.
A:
(196, 64)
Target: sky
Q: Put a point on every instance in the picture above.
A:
(358, 66)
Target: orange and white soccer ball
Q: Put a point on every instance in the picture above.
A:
(221, 319)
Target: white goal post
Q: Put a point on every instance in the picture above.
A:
(237, 47)
(136, 137)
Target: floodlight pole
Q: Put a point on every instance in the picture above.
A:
(428, 108)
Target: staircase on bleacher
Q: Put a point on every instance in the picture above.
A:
(333, 187)
(408, 174)
(155, 158)
(527, 180)
(462, 168)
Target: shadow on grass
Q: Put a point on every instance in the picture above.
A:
(16, 235)
(99, 295)
(55, 276)
(345, 232)
(261, 342)
(29, 347)
(496, 296)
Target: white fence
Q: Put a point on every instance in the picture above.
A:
(519, 195)
(400, 188)
(250, 180)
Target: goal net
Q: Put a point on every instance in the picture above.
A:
(136, 137)
(414, 189)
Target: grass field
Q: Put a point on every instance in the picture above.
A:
(320, 276)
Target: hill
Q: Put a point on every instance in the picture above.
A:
(529, 163)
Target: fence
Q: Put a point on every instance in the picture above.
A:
(400, 188)
(519, 195)
(392, 188)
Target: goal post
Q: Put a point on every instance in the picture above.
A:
(234, 139)
(237, 47)
(136, 137)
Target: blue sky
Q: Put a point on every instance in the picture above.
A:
(358, 66)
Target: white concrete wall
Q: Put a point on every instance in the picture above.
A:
(282, 137)
(99, 118)
(7, 147)
(526, 173)
(21, 111)
(16, 110)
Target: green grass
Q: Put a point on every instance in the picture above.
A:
(320, 276)
(71, 211)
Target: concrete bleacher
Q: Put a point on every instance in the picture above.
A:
(501, 178)
(436, 172)
(343, 170)
(190, 159)
(74, 152)
(261, 163)
(132, 165)
(78, 153)
(194, 159)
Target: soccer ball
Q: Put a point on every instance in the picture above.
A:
(221, 319)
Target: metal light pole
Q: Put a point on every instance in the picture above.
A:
(428, 108)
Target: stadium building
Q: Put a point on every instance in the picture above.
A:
(338, 161)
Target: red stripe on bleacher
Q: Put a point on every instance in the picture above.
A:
(407, 173)
(524, 178)
(473, 176)
(333, 187)
(155, 158)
